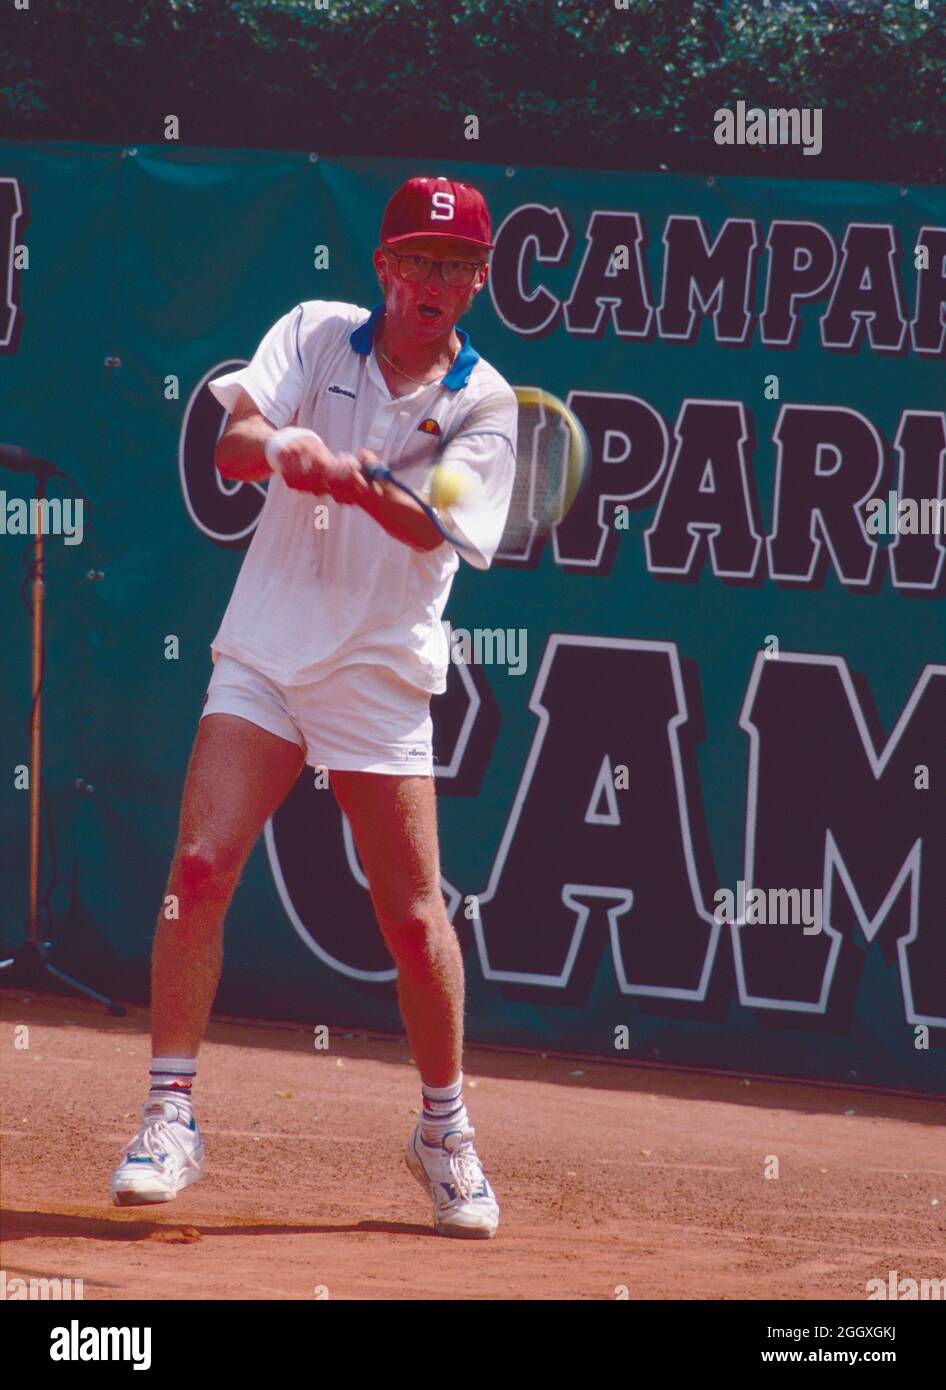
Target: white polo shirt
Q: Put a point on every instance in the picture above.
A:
(308, 600)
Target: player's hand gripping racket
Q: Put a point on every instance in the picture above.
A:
(552, 462)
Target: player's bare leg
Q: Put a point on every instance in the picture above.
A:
(237, 777)
(394, 823)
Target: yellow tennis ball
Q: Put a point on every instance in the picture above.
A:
(447, 486)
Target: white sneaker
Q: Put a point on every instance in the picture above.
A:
(464, 1203)
(165, 1155)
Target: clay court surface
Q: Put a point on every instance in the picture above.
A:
(619, 1175)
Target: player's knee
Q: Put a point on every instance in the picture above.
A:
(413, 934)
(203, 870)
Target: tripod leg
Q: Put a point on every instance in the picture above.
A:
(118, 1010)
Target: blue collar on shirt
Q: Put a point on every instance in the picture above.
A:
(362, 340)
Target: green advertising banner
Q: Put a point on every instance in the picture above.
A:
(692, 755)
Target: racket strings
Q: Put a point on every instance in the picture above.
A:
(540, 491)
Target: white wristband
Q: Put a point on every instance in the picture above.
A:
(279, 438)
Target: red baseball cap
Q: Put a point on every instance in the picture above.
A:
(437, 207)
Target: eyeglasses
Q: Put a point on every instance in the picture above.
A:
(418, 268)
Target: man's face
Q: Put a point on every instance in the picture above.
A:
(429, 308)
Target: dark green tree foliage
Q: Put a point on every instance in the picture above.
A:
(570, 82)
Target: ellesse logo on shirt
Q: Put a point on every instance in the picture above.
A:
(430, 426)
(336, 390)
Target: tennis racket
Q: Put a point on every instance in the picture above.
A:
(551, 464)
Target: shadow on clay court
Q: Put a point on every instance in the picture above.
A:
(27, 1225)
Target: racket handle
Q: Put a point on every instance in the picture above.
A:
(376, 472)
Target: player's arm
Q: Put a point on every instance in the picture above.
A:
(391, 508)
(307, 465)
(241, 449)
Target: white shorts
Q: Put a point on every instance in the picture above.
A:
(361, 718)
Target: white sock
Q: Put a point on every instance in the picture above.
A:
(172, 1079)
(443, 1110)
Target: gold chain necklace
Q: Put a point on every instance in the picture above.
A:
(415, 379)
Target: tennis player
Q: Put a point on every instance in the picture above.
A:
(328, 654)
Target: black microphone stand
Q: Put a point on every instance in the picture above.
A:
(32, 956)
